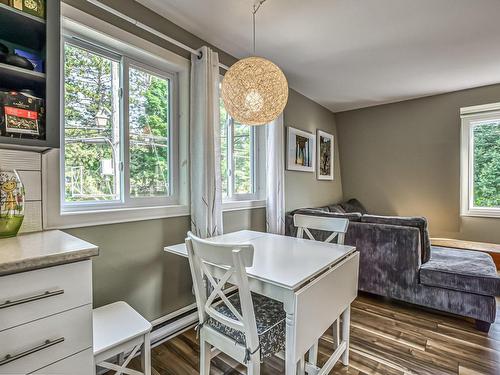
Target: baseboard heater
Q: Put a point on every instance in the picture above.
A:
(172, 327)
(179, 321)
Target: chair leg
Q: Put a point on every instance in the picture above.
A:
(301, 366)
(336, 333)
(346, 323)
(146, 355)
(253, 367)
(313, 354)
(120, 358)
(205, 356)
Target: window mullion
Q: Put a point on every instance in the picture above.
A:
(470, 172)
(125, 131)
(253, 159)
(230, 157)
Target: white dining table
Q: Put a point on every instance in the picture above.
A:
(315, 281)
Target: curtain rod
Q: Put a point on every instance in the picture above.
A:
(147, 28)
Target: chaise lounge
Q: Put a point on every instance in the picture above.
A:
(398, 261)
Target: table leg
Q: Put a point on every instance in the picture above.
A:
(290, 360)
(346, 323)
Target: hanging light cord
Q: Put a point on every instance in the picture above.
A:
(256, 8)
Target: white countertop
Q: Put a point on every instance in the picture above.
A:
(42, 249)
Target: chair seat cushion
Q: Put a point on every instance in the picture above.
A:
(270, 319)
(463, 270)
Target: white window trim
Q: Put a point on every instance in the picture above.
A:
(100, 32)
(257, 198)
(469, 115)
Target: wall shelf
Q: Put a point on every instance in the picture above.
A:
(20, 73)
(14, 78)
(21, 28)
(42, 37)
(24, 144)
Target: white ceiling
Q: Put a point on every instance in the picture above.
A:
(347, 54)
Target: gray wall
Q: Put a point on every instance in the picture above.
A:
(131, 265)
(302, 189)
(404, 159)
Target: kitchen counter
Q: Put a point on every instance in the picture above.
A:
(42, 249)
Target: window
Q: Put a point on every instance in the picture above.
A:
(118, 128)
(240, 159)
(480, 162)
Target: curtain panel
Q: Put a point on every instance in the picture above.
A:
(275, 177)
(204, 134)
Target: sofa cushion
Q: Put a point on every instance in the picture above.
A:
(336, 208)
(322, 209)
(353, 205)
(416, 222)
(351, 216)
(463, 270)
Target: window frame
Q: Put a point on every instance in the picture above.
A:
(232, 196)
(173, 150)
(125, 200)
(82, 26)
(234, 201)
(472, 117)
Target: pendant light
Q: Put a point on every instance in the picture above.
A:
(254, 89)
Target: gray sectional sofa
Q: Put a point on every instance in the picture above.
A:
(398, 261)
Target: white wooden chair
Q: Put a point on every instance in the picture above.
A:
(118, 329)
(338, 228)
(247, 327)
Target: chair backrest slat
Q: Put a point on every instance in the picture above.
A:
(234, 258)
(222, 254)
(338, 226)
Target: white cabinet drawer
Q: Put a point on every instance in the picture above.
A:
(79, 364)
(32, 295)
(32, 346)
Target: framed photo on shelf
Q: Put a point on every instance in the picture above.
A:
(301, 150)
(325, 154)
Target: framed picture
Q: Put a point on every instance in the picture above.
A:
(301, 150)
(325, 156)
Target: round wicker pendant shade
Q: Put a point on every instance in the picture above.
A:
(254, 91)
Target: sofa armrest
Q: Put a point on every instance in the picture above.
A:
(390, 256)
(416, 222)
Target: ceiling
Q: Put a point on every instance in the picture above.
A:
(347, 54)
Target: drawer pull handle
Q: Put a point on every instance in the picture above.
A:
(46, 294)
(47, 344)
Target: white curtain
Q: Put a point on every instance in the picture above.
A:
(275, 177)
(204, 134)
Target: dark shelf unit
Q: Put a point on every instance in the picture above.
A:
(43, 36)
(23, 28)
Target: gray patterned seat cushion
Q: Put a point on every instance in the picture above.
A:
(270, 319)
(463, 270)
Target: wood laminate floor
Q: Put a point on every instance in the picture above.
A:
(386, 338)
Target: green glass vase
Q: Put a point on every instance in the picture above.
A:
(11, 203)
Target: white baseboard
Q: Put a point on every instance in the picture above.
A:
(178, 326)
(173, 314)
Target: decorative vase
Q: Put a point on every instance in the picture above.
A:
(11, 203)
